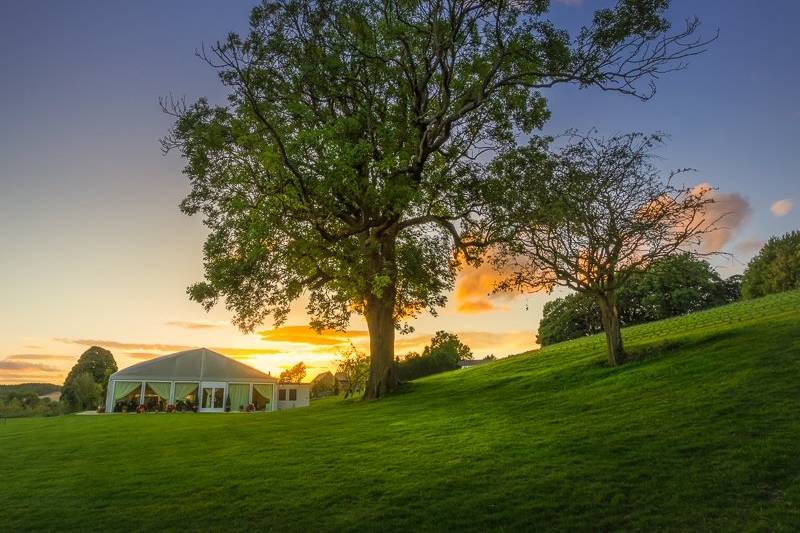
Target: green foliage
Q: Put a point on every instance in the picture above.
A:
(344, 164)
(296, 374)
(23, 401)
(572, 316)
(589, 216)
(88, 394)
(776, 268)
(443, 353)
(353, 365)
(700, 433)
(673, 286)
(95, 365)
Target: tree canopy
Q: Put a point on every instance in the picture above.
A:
(295, 374)
(96, 365)
(672, 286)
(443, 353)
(591, 215)
(776, 267)
(353, 366)
(345, 165)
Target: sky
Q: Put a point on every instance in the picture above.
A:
(93, 247)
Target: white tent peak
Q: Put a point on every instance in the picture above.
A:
(199, 364)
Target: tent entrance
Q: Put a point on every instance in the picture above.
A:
(212, 397)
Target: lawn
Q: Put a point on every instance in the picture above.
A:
(701, 432)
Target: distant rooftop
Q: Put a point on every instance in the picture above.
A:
(472, 362)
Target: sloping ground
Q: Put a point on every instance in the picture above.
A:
(701, 433)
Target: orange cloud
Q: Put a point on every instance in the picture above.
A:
(781, 208)
(195, 324)
(127, 345)
(143, 350)
(40, 357)
(24, 366)
(474, 290)
(730, 210)
(307, 335)
(141, 355)
(22, 371)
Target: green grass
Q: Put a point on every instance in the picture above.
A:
(701, 432)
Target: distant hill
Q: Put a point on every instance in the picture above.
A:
(700, 432)
(40, 389)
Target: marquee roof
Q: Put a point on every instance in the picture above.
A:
(200, 364)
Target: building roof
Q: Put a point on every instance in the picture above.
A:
(472, 362)
(200, 364)
(323, 376)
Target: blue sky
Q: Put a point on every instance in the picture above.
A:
(95, 249)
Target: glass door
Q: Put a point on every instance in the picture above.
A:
(212, 397)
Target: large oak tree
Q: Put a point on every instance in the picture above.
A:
(345, 164)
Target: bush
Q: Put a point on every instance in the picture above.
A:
(776, 268)
(24, 404)
(352, 369)
(671, 287)
(442, 354)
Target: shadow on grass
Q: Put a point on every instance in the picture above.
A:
(664, 348)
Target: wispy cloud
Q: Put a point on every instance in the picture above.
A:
(196, 324)
(144, 356)
(144, 350)
(21, 368)
(108, 344)
(781, 208)
(41, 357)
(25, 366)
(572, 3)
(306, 335)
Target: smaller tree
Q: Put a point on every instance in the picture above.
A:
(99, 363)
(296, 374)
(590, 216)
(353, 365)
(448, 346)
(87, 392)
(776, 268)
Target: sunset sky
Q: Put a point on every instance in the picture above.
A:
(93, 248)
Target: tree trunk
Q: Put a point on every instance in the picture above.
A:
(379, 311)
(609, 315)
(380, 322)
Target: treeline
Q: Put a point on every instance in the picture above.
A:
(83, 389)
(40, 389)
(442, 354)
(352, 371)
(676, 286)
(24, 400)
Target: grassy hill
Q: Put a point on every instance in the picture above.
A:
(702, 432)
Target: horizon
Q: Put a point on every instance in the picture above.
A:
(96, 251)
